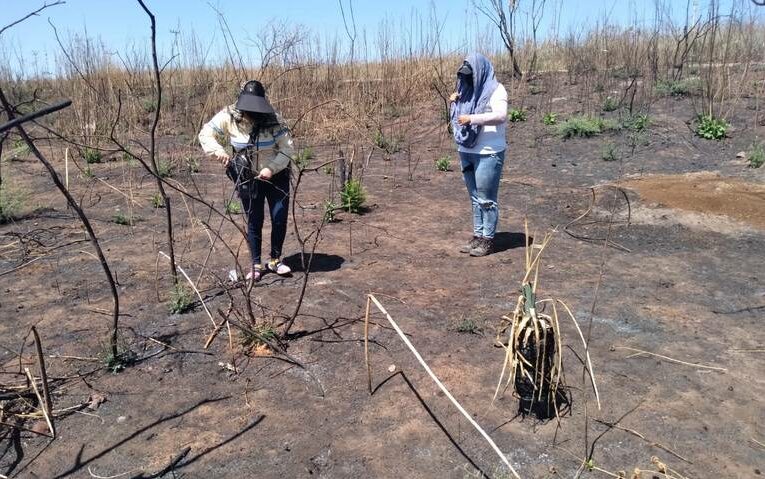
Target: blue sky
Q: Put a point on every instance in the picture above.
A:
(119, 23)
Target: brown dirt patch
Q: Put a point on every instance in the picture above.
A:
(707, 193)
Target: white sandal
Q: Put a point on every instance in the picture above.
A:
(278, 267)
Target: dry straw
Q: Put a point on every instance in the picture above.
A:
(533, 364)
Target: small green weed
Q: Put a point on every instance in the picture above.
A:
(625, 73)
(88, 172)
(11, 203)
(468, 326)
(165, 169)
(120, 362)
(610, 104)
(233, 207)
(19, 149)
(536, 89)
(353, 196)
(710, 127)
(157, 201)
(91, 156)
(303, 158)
(389, 144)
(149, 105)
(550, 118)
(637, 122)
(585, 127)
(125, 220)
(391, 110)
(181, 299)
(329, 211)
(328, 170)
(757, 156)
(192, 164)
(607, 124)
(129, 160)
(444, 163)
(259, 335)
(637, 138)
(515, 115)
(684, 87)
(609, 152)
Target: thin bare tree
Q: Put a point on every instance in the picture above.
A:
(503, 16)
(153, 142)
(17, 122)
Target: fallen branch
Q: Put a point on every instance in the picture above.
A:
(635, 433)
(216, 330)
(667, 358)
(440, 385)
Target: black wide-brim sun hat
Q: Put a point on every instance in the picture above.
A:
(252, 98)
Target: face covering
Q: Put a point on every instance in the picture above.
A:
(474, 91)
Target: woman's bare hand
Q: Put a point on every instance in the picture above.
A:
(222, 157)
(454, 97)
(463, 120)
(265, 174)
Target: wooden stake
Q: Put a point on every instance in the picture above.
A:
(44, 378)
(366, 346)
(43, 407)
(442, 387)
(66, 167)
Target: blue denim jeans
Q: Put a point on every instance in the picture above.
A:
(254, 194)
(482, 174)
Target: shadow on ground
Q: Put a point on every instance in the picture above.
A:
(506, 241)
(321, 263)
(80, 463)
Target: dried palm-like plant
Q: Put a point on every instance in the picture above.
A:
(533, 364)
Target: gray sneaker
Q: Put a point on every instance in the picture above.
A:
(466, 248)
(485, 246)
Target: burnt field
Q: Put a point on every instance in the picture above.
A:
(676, 327)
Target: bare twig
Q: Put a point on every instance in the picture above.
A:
(33, 14)
(637, 434)
(695, 365)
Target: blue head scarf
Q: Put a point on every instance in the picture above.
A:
(473, 98)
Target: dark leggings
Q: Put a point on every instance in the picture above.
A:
(254, 194)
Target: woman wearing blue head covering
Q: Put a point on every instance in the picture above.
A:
(479, 118)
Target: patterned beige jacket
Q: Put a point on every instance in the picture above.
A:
(273, 148)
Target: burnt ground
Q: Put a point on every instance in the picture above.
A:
(686, 282)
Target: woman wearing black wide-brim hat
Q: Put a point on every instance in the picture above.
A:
(259, 167)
